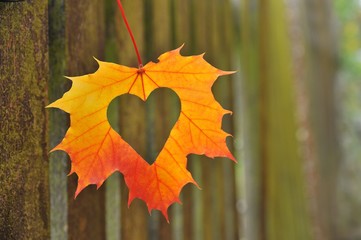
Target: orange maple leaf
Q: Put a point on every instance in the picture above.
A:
(96, 150)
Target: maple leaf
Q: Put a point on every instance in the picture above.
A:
(96, 150)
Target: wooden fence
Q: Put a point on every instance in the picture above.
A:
(283, 186)
(40, 42)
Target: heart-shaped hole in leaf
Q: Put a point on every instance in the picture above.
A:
(145, 125)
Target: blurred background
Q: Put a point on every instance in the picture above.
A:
(296, 121)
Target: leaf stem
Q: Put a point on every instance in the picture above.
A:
(140, 64)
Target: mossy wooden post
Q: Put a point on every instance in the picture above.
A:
(283, 212)
(85, 39)
(24, 194)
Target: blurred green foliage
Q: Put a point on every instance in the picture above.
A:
(349, 15)
(349, 85)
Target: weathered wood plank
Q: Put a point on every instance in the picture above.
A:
(166, 104)
(179, 34)
(134, 220)
(252, 224)
(282, 210)
(211, 168)
(321, 80)
(85, 39)
(224, 53)
(314, 71)
(283, 177)
(197, 44)
(58, 121)
(24, 193)
(113, 186)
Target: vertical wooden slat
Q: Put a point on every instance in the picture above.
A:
(113, 204)
(282, 210)
(134, 220)
(321, 61)
(161, 26)
(165, 104)
(210, 168)
(24, 194)
(85, 39)
(222, 88)
(238, 123)
(217, 46)
(314, 72)
(136, 216)
(251, 113)
(180, 34)
(58, 121)
(182, 28)
(150, 115)
(113, 192)
(197, 45)
(283, 179)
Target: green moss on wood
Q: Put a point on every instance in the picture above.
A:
(24, 197)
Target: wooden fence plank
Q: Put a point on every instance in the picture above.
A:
(150, 115)
(238, 123)
(179, 34)
(134, 220)
(283, 178)
(321, 63)
(194, 25)
(165, 106)
(187, 15)
(58, 121)
(217, 56)
(225, 51)
(251, 113)
(24, 194)
(282, 210)
(78, 32)
(211, 168)
(85, 39)
(113, 183)
(314, 71)
(181, 17)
